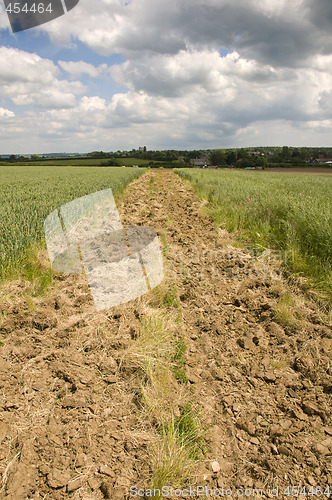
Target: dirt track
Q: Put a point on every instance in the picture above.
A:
(262, 375)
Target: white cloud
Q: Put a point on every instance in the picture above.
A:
(79, 68)
(18, 65)
(277, 73)
(6, 113)
(28, 79)
(173, 75)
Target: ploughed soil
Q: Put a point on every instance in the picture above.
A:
(258, 363)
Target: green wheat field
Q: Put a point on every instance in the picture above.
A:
(29, 193)
(288, 212)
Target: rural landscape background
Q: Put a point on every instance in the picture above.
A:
(218, 378)
(211, 123)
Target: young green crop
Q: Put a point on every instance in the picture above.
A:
(29, 193)
(291, 212)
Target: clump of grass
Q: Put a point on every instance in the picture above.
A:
(286, 312)
(170, 298)
(158, 356)
(178, 368)
(34, 269)
(166, 296)
(151, 187)
(189, 431)
(37, 270)
(159, 395)
(170, 222)
(170, 461)
(154, 342)
(180, 447)
(163, 240)
(151, 354)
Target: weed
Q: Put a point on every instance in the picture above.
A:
(163, 240)
(278, 364)
(158, 357)
(170, 461)
(284, 311)
(178, 367)
(170, 298)
(170, 222)
(166, 296)
(181, 446)
(37, 272)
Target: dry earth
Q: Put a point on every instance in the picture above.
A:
(257, 363)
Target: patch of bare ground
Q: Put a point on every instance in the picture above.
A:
(257, 369)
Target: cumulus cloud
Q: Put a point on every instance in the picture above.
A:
(234, 87)
(6, 113)
(79, 68)
(270, 31)
(27, 79)
(197, 73)
(172, 75)
(18, 65)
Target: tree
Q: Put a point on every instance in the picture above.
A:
(285, 153)
(230, 158)
(109, 163)
(217, 157)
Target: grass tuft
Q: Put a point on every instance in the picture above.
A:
(37, 270)
(165, 405)
(170, 298)
(178, 368)
(287, 313)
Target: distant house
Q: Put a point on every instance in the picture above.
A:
(322, 160)
(199, 163)
(202, 162)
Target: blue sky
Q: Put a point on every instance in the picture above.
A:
(168, 74)
(38, 42)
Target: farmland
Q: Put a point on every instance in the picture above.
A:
(78, 162)
(217, 376)
(28, 194)
(292, 213)
(92, 162)
(221, 372)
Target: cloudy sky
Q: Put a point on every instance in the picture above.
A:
(182, 74)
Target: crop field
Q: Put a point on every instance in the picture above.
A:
(292, 213)
(28, 194)
(90, 162)
(80, 162)
(217, 376)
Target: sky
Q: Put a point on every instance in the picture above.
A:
(168, 74)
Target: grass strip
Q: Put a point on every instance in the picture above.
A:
(164, 399)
